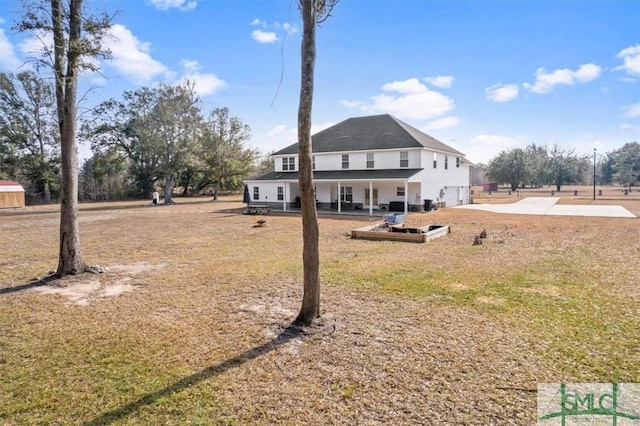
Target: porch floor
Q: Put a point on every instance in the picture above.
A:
(333, 212)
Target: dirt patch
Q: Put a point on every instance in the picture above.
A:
(491, 300)
(135, 268)
(548, 290)
(84, 288)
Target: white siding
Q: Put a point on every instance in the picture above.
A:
(450, 185)
(358, 160)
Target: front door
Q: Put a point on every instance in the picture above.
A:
(366, 197)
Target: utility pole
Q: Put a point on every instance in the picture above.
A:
(594, 174)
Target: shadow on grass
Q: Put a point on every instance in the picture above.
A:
(43, 281)
(289, 333)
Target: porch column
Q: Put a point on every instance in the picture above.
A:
(370, 198)
(406, 197)
(339, 199)
(285, 196)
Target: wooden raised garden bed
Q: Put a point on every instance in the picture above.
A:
(388, 232)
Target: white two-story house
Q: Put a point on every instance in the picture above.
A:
(370, 163)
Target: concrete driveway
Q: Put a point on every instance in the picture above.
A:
(547, 206)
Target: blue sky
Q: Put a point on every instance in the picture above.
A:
(480, 75)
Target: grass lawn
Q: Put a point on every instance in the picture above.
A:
(190, 322)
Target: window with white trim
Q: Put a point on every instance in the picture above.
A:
(313, 162)
(446, 162)
(400, 191)
(256, 192)
(281, 193)
(346, 194)
(457, 161)
(370, 162)
(404, 158)
(345, 161)
(288, 164)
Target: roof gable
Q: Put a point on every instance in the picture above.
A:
(370, 133)
(10, 186)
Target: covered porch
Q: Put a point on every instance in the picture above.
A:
(370, 196)
(372, 192)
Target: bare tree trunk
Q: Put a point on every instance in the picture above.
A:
(216, 189)
(70, 259)
(310, 252)
(47, 192)
(168, 189)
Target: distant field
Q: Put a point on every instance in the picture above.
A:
(604, 195)
(189, 323)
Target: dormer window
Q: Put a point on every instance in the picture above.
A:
(288, 164)
(404, 159)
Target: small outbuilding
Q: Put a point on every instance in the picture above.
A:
(11, 194)
(490, 187)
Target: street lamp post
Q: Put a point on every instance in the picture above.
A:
(594, 174)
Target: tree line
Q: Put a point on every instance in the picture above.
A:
(152, 137)
(539, 165)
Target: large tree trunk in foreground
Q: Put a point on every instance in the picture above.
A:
(310, 253)
(70, 259)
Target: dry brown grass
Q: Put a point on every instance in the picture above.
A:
(189, 324)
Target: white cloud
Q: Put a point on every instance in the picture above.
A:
(442, 81)
(277, 130)
(190, 65)
(631, 58)
(281, 134)
(625, 126)
(205, 84)
(443, 123)
(264, 36)
(407, 99)
(409, 86)
(502, 92)
(350, 104)
(178, 4)
(269, 33)
(498, 140)
(131, 57)
(289, 29)
(632, 111)
(36, 43)
(484, 147)
(9, 59)
(545, 82)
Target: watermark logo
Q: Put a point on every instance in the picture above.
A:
(569, 404)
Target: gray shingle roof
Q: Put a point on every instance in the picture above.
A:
(343, 175)
(370, 133)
